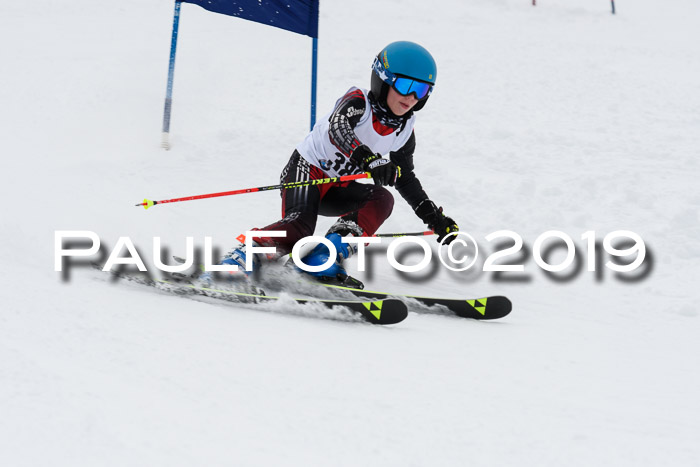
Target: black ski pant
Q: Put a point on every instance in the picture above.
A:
(367, 205)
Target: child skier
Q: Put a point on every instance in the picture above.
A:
(367, 131)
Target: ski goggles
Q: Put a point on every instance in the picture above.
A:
(406, 86)
(401, 84)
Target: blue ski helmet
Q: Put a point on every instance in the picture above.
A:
(406, 66)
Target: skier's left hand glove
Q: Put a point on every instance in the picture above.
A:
(436, 220)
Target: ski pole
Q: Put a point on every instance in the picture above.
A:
(147, 203)
(406, 234)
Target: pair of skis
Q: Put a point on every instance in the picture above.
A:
(373, 307)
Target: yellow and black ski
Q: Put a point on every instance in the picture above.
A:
(377, 311)
(484, 308)
(380, 311)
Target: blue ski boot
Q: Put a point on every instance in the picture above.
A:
(320, 254)
(237, 256)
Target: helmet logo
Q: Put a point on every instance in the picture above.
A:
(430, 76)
(386, 61)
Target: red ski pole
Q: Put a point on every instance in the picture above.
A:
(147, 203)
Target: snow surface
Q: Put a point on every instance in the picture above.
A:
(560, 116)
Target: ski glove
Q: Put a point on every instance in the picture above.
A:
(434, 218)
(383, 171)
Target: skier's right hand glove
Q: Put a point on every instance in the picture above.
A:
(383, 171)
(436, 220)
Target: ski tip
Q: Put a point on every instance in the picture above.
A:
(504, 304)
(383, 312)
(487, 308)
